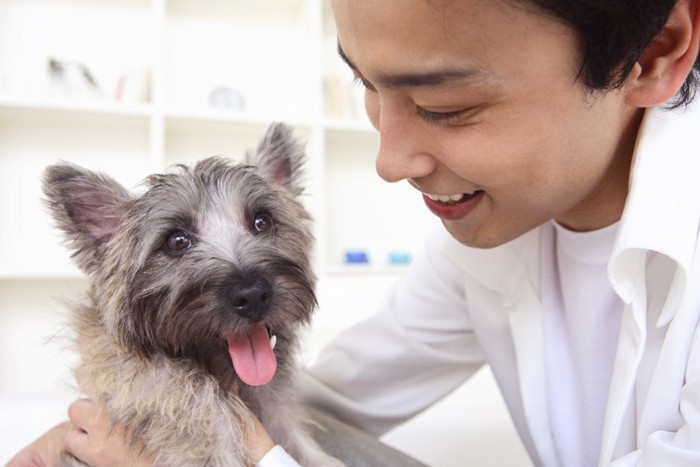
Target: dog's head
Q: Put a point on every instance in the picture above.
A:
(204, 264)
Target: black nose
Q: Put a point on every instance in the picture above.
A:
(251, 297)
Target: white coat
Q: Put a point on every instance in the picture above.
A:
(458, 308)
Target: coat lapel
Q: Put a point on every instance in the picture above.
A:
(524, 310)
(620, 407)
(512, 271)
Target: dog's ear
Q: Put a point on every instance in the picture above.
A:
(280, 158)
(87, 206)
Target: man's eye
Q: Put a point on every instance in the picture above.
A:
(262, 222)
(178, 242)
(452, 117)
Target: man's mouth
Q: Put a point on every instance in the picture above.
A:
(454, 206)
(456, 198)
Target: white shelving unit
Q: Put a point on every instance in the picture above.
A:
(156, 63)
(279, 55)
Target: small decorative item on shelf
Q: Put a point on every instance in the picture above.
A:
(72, 79)
(356, 257)
(134, 86)
(399, 258)
(226, 98)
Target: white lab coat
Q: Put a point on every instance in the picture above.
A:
(458, 308)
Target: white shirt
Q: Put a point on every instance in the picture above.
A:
(580, 335)
(458, 308)
(277, 457)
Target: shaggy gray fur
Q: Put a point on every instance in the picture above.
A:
(171, 270)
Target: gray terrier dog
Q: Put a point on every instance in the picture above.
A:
(199, 286)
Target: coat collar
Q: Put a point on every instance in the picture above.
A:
(663, 205)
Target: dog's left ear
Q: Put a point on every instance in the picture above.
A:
(279, 158)
(87, 206)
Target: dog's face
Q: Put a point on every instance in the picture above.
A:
(204, 264)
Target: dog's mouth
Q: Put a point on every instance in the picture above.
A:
(252, 354)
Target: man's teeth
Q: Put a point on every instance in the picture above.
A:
(273, 342)
(447, 198)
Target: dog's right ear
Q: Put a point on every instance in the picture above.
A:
(279, 158)
(87, 206)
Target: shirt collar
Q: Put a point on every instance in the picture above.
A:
(663, 205)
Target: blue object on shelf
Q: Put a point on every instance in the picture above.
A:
(399, 257)
(356, 257)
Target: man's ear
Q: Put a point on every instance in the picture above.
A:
(666, 62)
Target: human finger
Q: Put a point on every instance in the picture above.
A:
(258, 441)
(76, 442)
(91, 438)
(44, 451)
(96, 441)
(81, 413)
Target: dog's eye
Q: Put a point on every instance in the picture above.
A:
(262, 222)
(178, 242)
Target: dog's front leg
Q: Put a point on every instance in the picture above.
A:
(290, 426)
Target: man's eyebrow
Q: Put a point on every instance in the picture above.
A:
(345, 58)
(428, 78)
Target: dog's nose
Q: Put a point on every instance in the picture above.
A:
(251, 298)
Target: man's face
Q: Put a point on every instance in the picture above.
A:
(479, 100)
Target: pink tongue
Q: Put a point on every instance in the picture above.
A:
(252, 356)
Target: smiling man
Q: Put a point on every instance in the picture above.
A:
(540, 133)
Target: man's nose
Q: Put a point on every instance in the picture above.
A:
(403, 149)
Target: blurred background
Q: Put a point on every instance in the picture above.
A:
(131, 87)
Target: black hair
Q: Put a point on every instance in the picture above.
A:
(613, 34)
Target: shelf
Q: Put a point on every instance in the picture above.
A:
(259, 11)
(58, 106)
(72, 106)
(242, 117)
(364, 270)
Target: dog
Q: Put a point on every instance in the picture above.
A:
(198, 289)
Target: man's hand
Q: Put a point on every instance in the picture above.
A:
(91, 437)
(94, 440)
(45, 451)
(258, 442)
